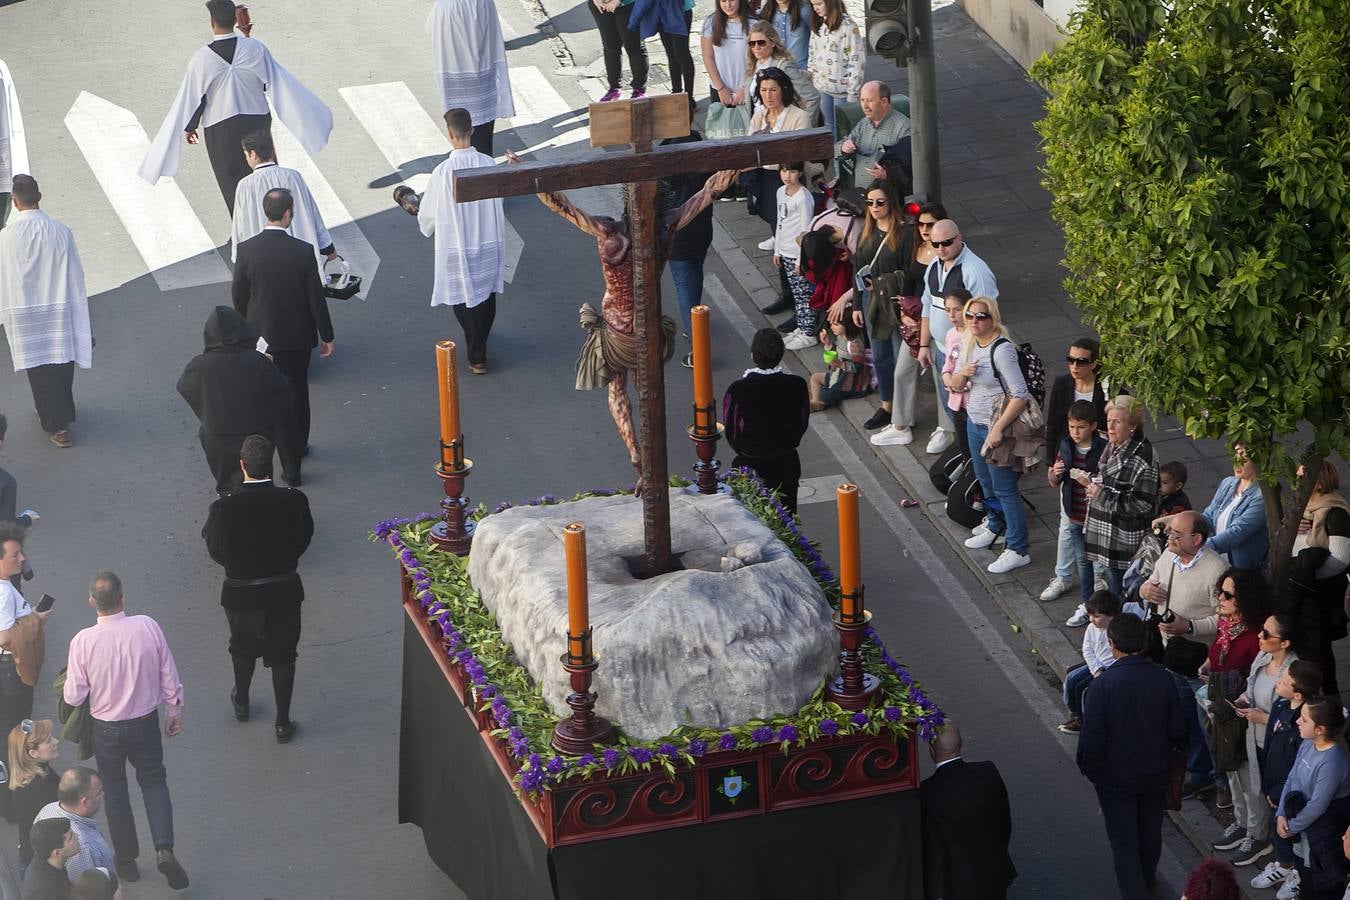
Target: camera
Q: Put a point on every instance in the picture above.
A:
(1154, 616)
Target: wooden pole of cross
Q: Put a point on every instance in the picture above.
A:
(639, 124)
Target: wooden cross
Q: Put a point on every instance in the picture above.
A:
(639, 123)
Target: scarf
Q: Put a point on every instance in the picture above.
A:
(1316, 513)
(1228, 632)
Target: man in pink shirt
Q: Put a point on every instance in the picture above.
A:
(123, 667)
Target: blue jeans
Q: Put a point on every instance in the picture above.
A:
(999, 483)
(827, 102)
(135, 741)
(1199, 764)
(1075, 684)
(688, 277)
(884, 354)
(1071, 555)
(1111, 575)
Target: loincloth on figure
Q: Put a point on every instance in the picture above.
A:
(607, 351)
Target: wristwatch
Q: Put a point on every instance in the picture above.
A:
(1190, 628)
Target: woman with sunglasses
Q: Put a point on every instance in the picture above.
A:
(765, 50)
(990, 371)
(33, 746)
(1243, 602)
(1079, 383)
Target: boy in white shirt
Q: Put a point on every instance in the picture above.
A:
(1102, 607)
(796, 207)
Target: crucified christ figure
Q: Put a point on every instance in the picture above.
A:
(610, 350)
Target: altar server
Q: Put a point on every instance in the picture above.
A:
(466, 37)
(226, 89)
(44, 308)
(249, 220)
(13, 147)
(470, 242)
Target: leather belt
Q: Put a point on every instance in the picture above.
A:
(258, 582)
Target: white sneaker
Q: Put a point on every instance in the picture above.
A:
(940, 441)
(1291, 889)
(1055, 589)
(1007, 561)
(979, 541)
(798, 340)
(1079, 617)
(890, 436)
(980, 528)
(1270, 876)
(767, 243)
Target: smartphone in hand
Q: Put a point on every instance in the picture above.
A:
(46, 603)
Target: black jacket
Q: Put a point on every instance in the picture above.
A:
(42, 882)
(278, 290)
(967, 825)
(1132, 720)
(1057, 403)
(1065, 452)
(259, 532)
(9, 500)
(766, 415)
(693, 240)
(1282, 742)
(231, 387)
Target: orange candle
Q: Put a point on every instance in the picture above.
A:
(578, 599)
(850, 552)
(700, 320)
(448, 381)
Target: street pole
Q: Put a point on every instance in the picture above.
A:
(923, 101)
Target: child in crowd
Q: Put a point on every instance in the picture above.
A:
(1172, 489)
(1101, 607)
(796, 207)
(1300, 682)
(1080, 449)
(954, 301)
(847, 373)
(1313, 803)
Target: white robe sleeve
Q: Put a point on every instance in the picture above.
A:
(166, 148)
(308, 117)
(13, 145)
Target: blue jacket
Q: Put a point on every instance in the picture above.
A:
(1065, 452)
(649, 17)
(1245, 540)
(1282, 742)
(1132, 720)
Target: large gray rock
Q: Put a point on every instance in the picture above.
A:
(744, 632)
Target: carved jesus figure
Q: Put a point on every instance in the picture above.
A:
(610, 350)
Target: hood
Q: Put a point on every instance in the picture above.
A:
(228, 331)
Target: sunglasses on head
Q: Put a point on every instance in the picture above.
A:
(26, 726)
(947, 243)
(1078, 360)
(978, 316)
(880, 201)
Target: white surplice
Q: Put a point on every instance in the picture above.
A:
(470, 237)
(249, 220)
(13, 146)
(43, 304)
(234, 89)
(466, 40)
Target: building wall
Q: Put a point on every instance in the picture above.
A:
(1022, 28)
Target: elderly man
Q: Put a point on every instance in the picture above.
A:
(44, 308)
(1181, 590)
(956, 264)
(879, 128)
(79, 797)
(1132, 721)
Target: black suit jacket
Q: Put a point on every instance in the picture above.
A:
(259, 531)
(967, 825)
(278, 290)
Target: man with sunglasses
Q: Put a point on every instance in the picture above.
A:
(955, 264)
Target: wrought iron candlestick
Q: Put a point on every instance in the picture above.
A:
(705, 433)
(577, 735)
(853, 688)
(455, 532)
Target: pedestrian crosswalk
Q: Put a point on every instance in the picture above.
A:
(178, 251)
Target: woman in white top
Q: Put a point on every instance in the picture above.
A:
(723, 43)
(990, 370)
(765, 49)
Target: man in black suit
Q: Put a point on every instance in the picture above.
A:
(1132, 724)
(258, 534)
(966, 826)
(766, 413)
(278, 290)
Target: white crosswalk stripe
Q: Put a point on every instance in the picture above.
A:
(405, 135)
(162, 225)
(543, 118)
(350, 241)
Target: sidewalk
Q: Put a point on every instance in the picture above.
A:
(991, 187)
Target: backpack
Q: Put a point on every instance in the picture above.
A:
(965, 500)
(948, 466)
(1032, 366)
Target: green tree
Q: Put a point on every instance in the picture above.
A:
(1198, 154)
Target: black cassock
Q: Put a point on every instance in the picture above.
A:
(223, 138)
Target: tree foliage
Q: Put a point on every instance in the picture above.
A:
(1198, 154)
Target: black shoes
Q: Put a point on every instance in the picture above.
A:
(127, 870)
(240, 709)
(285, 732)
(169, 866)
(781, 305)
(789, 326)
(879, 418)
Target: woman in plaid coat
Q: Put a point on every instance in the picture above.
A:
(1123, 497)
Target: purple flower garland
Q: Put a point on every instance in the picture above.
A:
(537, 774)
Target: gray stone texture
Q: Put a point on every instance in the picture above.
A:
(743, 632)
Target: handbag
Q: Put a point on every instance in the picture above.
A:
(726, 121)
(911, 306)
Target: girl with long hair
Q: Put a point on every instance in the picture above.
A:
(1313, 805)
(765, 50)
(723, 43)
(835, 57)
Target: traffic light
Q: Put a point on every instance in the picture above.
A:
(888, 28)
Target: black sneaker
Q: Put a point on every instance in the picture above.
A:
(789, 326)
(781, 305)
(1232, 837)
(879, 418)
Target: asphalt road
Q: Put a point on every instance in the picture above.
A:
(316, 818)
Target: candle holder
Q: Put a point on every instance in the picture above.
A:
(454, 533)
(578, 734)
(853, 688)
(705, 433)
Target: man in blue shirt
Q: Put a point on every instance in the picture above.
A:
(1132, 725)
